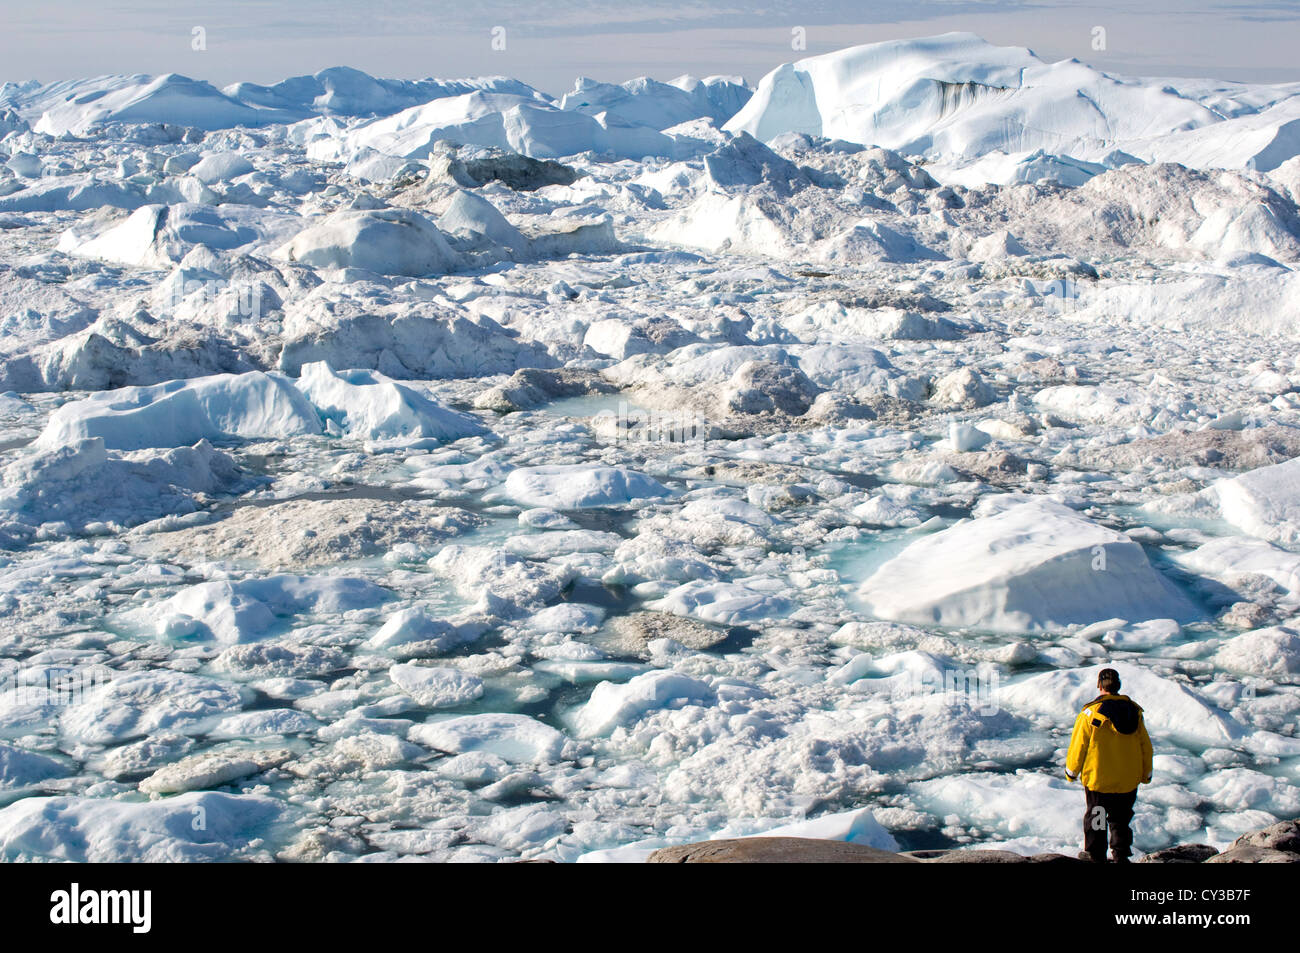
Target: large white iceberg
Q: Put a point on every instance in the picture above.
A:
(1035, 565)
(182, 412)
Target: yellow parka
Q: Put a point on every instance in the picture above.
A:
(1109, 748)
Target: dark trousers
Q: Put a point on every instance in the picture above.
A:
(1111, 812)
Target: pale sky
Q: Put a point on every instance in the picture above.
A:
(549, 42)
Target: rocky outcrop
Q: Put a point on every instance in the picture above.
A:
(1181, 854)
(1254, 855)
(776, 850)
(310, 533)
(634, 632)
(988, 857)
(531, 387)
(1278, 844)
(1284, 836)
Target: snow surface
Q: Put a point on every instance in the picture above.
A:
(99, 830)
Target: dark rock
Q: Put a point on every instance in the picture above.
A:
(776, 850)
(1222, 449)
(474, 166)
(531, 387)
(991, 466)
(764, 387)
(1181, 854)
(631, 634)
(1254, 855)
(1056, 859)
(1284, 835)
(976, 856)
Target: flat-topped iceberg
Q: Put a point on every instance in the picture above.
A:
(1035, 565)
(182, 412)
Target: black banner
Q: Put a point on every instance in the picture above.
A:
(231, 904)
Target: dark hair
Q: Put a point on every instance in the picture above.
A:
(1108, 679)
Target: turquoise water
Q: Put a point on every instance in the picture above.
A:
(589, 405)
(856, 561)
(1137, 516)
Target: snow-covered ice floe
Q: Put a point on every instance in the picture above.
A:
(1034, 564)
(444, 470)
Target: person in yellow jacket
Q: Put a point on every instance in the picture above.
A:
(1110, 753)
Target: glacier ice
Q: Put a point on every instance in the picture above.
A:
(446, 470)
